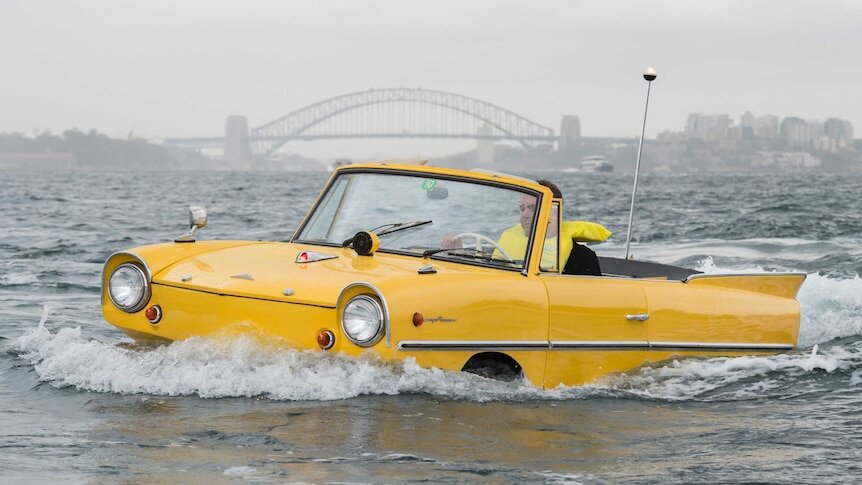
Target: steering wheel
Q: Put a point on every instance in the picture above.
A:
(480, 238)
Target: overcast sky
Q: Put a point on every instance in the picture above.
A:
(165, 68)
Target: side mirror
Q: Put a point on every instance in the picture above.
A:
(197, 220)
(197, 217)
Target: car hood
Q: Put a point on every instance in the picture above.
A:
(269, 271)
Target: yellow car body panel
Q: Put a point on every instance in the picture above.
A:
(559, 329)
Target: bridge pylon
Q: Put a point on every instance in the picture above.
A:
(570, 134)
(237, 149)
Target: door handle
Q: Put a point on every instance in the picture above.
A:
(638, 317)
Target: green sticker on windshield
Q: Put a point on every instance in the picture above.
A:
(429, 184)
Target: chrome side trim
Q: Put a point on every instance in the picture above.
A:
(719, 275)
(585, 345)
(385, 306)
(645, 345)
(473, 345)
(718, 346)
(608, 276)
(598, 344)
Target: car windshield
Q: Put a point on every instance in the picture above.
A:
(425, 215)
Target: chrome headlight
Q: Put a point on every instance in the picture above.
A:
(128, 287)
(362, 321)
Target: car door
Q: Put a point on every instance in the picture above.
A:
(596, 326)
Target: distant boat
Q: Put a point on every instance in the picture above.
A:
(339, 162)
(596, 163)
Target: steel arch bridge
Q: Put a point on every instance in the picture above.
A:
(398, 113)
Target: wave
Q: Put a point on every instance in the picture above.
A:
(245, 366)
(745, 378)
(248, 366)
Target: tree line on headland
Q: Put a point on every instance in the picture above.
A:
(91, 149)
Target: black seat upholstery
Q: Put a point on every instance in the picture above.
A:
(582, 261)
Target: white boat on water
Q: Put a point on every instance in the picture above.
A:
(596, 163)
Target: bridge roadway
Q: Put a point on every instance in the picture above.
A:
(219, 140)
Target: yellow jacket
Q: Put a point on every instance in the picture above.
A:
(514, 241)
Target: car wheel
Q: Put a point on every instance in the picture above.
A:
(494, 365)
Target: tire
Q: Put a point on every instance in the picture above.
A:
(494, 365)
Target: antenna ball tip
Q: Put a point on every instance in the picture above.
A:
(650, 74)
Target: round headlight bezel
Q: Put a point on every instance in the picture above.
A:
(145, 285)
(381, 324)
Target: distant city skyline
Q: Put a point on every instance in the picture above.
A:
(166, 69)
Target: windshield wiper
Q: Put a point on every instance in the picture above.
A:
(400, 226)
(468, 253)
(390, 228)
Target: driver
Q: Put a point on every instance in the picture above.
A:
(514, 239)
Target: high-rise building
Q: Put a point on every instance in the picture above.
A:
(746, 126)
(708, 128)
(691, 124)
(816, 127)
(838, 129)
(766, 127)
(796, 132)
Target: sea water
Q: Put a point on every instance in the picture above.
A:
(79, 404)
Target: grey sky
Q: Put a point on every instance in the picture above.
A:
(170, 68)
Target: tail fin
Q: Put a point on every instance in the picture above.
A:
(785, 285)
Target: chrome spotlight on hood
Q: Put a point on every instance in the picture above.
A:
(197, 220)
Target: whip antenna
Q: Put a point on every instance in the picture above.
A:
(650, 76)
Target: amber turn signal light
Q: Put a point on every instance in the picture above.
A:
(325, 339)
(153, 314)
(418, 319)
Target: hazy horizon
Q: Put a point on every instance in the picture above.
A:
(161, 69)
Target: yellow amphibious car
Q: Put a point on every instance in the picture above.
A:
(368, 272)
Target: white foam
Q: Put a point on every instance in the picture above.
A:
(240, 471)
(831, 309)
(242, 366)
(692, 378)
(549, 476)
(246, 367)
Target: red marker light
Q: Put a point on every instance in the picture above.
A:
(418, 319)
(303, 257)
(325, 339)
(153, 314)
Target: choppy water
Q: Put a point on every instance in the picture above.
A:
(76, 406)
